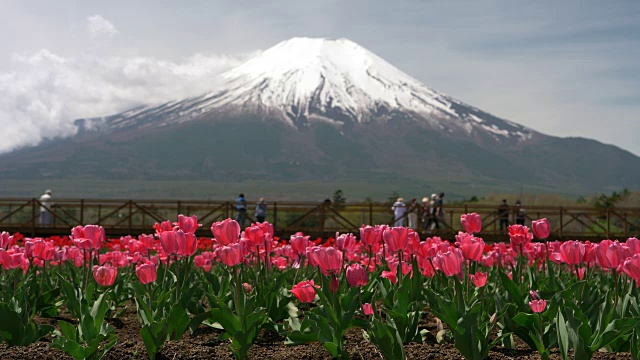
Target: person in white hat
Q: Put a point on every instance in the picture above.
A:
(46, 202)
(399, 208)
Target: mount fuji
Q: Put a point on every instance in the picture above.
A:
(328, 110)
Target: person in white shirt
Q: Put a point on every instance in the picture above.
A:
(46, 202)
(399, 208)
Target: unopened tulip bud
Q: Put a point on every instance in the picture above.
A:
(246, 287)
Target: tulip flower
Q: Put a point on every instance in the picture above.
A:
(246, 287)
(537, 306)
(472, 223)
(450, 262)
(345, 242)
(396, 239)
(609, 254)
(163, 226)
(305, 291)
(541, 228)
(5, 240)
(146, 272)
(226, 232)
(471, 246)
(357, 275)
(367, 309)
(187, 244)
(479, 279)
(89, 237)
(631, 267)
(570, 252)
(329, 259)
(334, 284)
(370, 236)
(105, 275)
(519, 236)
(299, 243)
(169, 241)
(230, 255)
(390, 275)
(188, 224)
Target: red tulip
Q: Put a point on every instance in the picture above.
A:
(609, 254)
(305, 291)
(472, 223)
(538, 305)
(89, 237)
(357, 275)
(188, 224)
(163, 226)
(146, 272)
(367, 309)
(226, 232)
(246, 287)
(396, 238)
(345, 242)
(105, 275)
(541, 228)
(450, 262)
(479, 279)
(390, 275)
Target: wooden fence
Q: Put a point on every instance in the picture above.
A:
(121, 217)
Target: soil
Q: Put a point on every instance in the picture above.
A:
(204, 344)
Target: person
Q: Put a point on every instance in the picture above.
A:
(503, 215)
(46, 203)
(412, 214)
(261, 210)
(439, 210)
(520, 213)
(399, 209)
(241, 210)
(425, 212)
(433, 217)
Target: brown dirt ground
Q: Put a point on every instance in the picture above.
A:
(203, 344)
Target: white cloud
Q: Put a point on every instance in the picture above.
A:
(44, 92)
(99, 26)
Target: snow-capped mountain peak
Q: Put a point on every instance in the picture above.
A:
(302, 80)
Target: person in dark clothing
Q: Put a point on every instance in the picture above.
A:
(503, 215)
(241, 210)
(261, 210)
(520, 213)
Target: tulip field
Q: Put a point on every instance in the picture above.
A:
(241, 288)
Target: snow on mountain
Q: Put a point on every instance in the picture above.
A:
(302, 80)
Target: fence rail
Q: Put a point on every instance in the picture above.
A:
(120, 217)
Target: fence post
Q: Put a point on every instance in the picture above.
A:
(626, 225)
(179, 208)
(371, 214)
(322, 221)
(561, 223)
(130, 216)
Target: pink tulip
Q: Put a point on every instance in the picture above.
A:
(537, 306)
(299, 243)
(609, 254)
(519, 236)
(396, 239)
(105, 275)
(147, 240)
(571, 252)
(541, 228)
(370, 236)
(230, 255)
(479, 279)
(188, 224)
(631, 267)
(246, 287)
(5, 240)
(146, 272)
(89, 237)
(345, 242)
(390, 275)
(367, 309)
(187, 244)
(305, 291)
(329, 259)
(472, 223)
(471, 246)
(163, 226)
(450, 262)
(357, 275)
(633, 245)
(169, 241)
(226, 232)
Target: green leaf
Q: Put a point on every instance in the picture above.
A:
(563, 336)
(513, 290)
(68, 330)
(70, 347)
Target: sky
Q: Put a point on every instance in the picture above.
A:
(564, 68)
